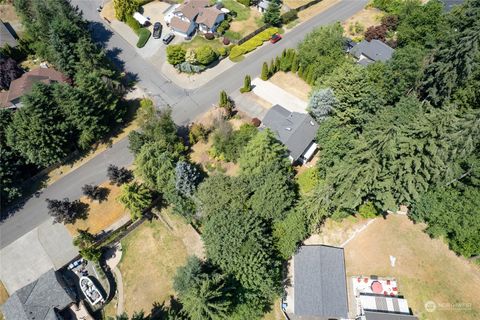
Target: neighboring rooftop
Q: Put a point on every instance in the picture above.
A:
(374, 50)
(388, 316)
(6, 37)
(208, 16)
(39, 300)
(319, 283)
(449, 4)
(24, 84)
(295, 130)
(179, 24)
(191, 8)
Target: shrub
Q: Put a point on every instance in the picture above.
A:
(206, 55)
(222, 51)
(197, 133)
(224, 26)
(175, 54)
(289, 16)
(209, 36)
(226, 41)
(376, 32)
(390, 22)
(253, 43)
(189, 68)
(143, 36)
(247, 84)
(367, 210)
(256, 122)
(132, 23)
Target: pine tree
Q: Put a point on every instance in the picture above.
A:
(321, 104)
(247, 84)
(136, 198)
(294, 67)
(265, 74)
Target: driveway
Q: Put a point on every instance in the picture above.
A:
(41, 249)
(276, 95)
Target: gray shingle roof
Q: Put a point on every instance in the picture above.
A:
(6, 37)
(375, 50)
(449, 4)
(372, 315)
(320, 287)
(295, 130)
(38, 300)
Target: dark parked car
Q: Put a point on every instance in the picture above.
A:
(275, 38)
(168, 38)
(157, 30)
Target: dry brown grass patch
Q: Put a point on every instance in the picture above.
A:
(316, 9)
(101, 215)
(426, 269)
(292, 83)
(151, 255)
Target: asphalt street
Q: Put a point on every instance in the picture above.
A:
(186, 104)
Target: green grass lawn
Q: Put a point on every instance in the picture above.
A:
(199, 41)
(243, 13)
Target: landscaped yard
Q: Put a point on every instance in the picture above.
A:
(247, 20)
(150, 257)
(425, 268)
(101, 215)
(365, 18)
(199, 41)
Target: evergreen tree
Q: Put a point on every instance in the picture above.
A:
(187, 178)
(247, 84)
(124, 8)
(272, 14)
(39, 131)
(321, 104)
(136, 198)
(265, 73)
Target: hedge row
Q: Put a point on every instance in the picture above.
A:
(143, 36)
(253, 43)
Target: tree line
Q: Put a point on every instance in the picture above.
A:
(56, 119)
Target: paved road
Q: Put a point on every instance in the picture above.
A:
(186, 104)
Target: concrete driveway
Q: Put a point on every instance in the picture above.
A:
(276, 95)
(26, 259)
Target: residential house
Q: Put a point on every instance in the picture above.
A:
(185, 19)
(11, 99)
(6, 37)
(318, 288)
(297, 131)
(450, 4)
(46, 298)
(368, 52)
(262, 5)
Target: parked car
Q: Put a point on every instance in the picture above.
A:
(168, 38)
(275, 38)
(157, 30)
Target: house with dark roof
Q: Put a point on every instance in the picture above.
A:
(448, 5)
(42, 299)
(6, 37)
(297, 131)
(368, 52)
(318, 288)
(11, 99)
(193, 15)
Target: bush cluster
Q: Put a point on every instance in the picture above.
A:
(187, 67)
(253, 43)
(132, 23)
(143, 36)
(289, 16)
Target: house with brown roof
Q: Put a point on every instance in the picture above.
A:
(193, 15)
(11, 99)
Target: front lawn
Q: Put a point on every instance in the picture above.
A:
(243, 13)
(199, 41)
(101, 215)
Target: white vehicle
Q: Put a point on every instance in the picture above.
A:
(140, 18)
(90, 291)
